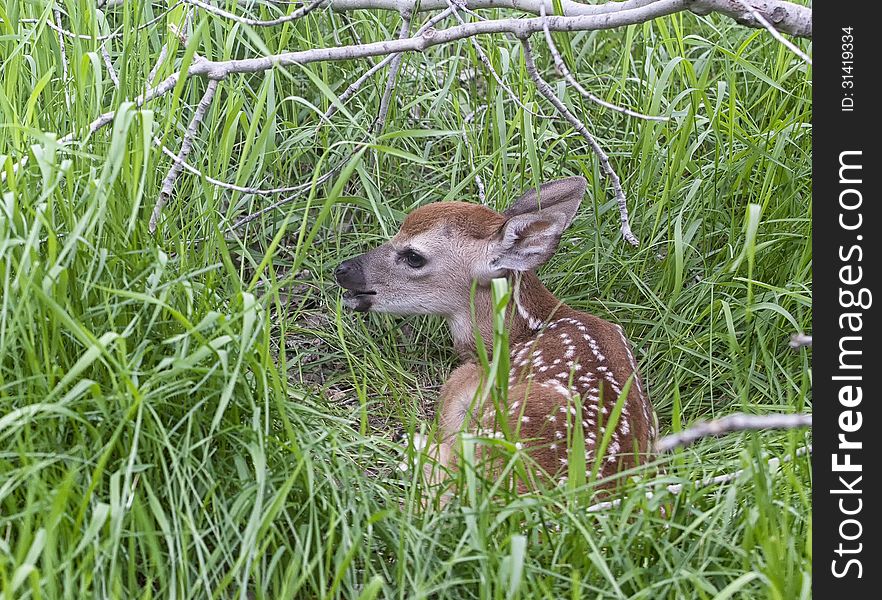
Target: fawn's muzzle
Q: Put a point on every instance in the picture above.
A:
(350, 276)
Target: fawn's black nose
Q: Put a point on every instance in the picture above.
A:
(343, 270)
(350, 274)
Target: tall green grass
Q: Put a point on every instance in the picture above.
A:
(192, 414)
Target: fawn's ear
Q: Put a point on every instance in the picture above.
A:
(561, 196)
(524, 242)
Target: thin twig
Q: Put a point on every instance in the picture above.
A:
(800, 340)
(168, 183)
(482, 195)
(482, 56)
(297, 14)
(63, 56)
(276, 205)
(223, 184)
(158, 64)
(774, 32)
(676, 488)
(730, 424)
(356, 85)
(100, 38)
(109, 64)
(561, 66)
(605, 165)
(394, 65)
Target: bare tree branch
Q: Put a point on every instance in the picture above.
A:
(605, 165)
(521, 27)
(729, 424)
(356, 85)
(761, 20)
(677, 488)
(100, 38)
(482, 56)
(158, 64)
(297, 14)
(276, 205)
(799, 340)
(109, 64)
(168, 184)
(63, 50)
(787, 17)
(403, 33)
(561, 66)
(223, 184)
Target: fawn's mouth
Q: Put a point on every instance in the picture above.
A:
(358, 300)
(355, 293)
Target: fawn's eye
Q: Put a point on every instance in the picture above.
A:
(413, 259)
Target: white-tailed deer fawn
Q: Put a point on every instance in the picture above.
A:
(559, 356)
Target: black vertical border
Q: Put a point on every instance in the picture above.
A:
(835, 131)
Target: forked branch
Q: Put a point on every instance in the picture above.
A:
(580, 127)
(776, 16)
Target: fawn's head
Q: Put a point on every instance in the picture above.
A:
(428, 267)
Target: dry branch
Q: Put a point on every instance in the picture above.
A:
(580, 127)
(242, 189)
(606, 16)
(63, 50)
(762, 21)
(356, 85)
(800, 340)
(677, 488)
(787, 17)
(168, 184)
(394, 65)
(485, 60)
(730, 424)
(561, 66)
(108, 63)
(297, 14)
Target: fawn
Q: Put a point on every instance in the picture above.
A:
(559, 356)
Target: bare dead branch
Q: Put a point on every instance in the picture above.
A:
(482, 56)
(100, 38)
(787, 17)
(800, 340)
(109, 64)
(356, 85)
(394, 65)
(561, 66)
(163, 52)
(761, 20)
(57, 14)
(730, 424)
(276, 205)
(297, 14)
(223, 184)
(605, 165)
(168, 183)
(676, 488)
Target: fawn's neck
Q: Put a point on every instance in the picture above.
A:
(531, 306)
